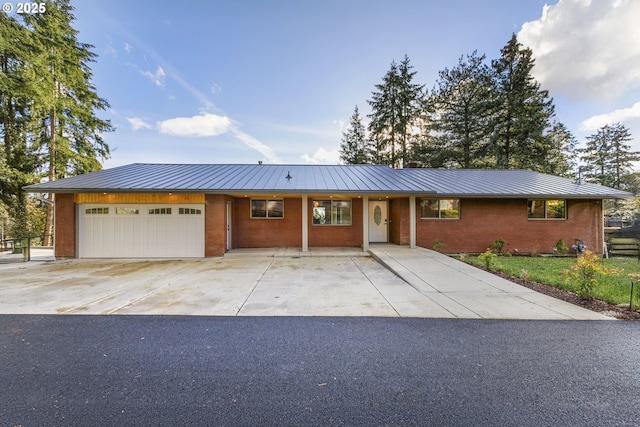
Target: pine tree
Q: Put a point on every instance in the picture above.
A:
(18, 163)
(464, 101)
(524, 111)
(70, 133)
(354, 148)
(607, 156)
(396, 109)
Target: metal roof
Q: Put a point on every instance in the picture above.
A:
(201, 178)
(507, 183)
(319, 179)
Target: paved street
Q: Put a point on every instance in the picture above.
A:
(60, 370)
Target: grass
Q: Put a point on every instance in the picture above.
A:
(612, 288)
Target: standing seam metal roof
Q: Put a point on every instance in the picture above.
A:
(363, 179)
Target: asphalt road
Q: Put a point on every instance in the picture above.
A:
(247, 371)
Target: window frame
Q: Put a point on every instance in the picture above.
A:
(266, 208)
(440, 210)
(332, 211)
(546, 210)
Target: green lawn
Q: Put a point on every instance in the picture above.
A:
(613, 288)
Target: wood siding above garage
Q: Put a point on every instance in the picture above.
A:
(138, 198)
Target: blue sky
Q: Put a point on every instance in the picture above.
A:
(241, 81)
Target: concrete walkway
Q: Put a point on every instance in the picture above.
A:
(278, 282)
(463, 291)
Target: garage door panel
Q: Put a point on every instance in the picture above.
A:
(141, 231)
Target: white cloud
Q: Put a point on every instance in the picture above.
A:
(586, 49)
(127, 47)
(200, 125)
(157, 78)
(137, 123)
(621, 115)
(252, 142)
(322, 156)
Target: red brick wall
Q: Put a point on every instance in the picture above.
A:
(484, 220)
(337, 235)
(65, 226)
(215, 224)
(265, 233)
(399, 226)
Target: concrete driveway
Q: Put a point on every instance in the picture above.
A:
(279, 282)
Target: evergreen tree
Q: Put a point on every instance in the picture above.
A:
(69, 133)
(396, 109)
(354, 148)
(608, 157)
(18, 163)
(464, 101)
(524, 112)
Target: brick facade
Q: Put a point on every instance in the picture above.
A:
(264, 232)
(65, 226)
(483, 221)
(337, 235)
(215, 225)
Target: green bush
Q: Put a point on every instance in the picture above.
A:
(496, 246)
(560, 247)
(489, 259)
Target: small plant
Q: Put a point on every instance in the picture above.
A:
(585, 272)
(560, 247)
(462, 257)
(438, 245)
(524, 274)
(489, 258)
(496, 246)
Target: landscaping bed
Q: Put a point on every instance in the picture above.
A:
(617, 307)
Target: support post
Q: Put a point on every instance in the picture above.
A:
(412, 222)
(365, 223)
(305, 223)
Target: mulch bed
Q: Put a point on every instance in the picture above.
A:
(592, 304)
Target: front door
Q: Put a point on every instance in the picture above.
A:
(378, 221)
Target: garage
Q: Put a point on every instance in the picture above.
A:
(141, 231)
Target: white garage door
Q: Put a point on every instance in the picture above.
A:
(141, 231)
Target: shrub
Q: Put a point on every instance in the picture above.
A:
(584, 273)
(560, 247)
(489, 259)
(438, 246)
(496, 246)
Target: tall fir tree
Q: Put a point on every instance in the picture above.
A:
(70, 132)
(18, 163)
(608, 157)
(355, 148)
(397, 107)
(524, 111)
(463, 101)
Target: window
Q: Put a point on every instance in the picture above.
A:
(189, 211)
(97, 211)
(267, 208)
(160, 211)
(440, 208)
(547, 209)
(127, 211)
(331, 212)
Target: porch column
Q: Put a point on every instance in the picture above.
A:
(305, 223)
(365, 223)
(412, 222)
